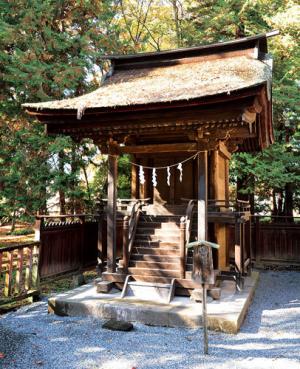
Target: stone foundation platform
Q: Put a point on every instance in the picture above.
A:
(226, 314)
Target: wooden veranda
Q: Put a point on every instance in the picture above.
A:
(202, 104)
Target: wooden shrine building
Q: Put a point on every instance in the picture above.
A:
(202, 104)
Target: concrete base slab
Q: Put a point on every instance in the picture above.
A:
(226, 314)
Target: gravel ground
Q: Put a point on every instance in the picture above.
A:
(269, 338)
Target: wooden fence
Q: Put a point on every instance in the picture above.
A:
(69, 243)
(276, 241)
(18, 271)
(273, 241)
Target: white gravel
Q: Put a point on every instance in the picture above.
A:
(269, 338)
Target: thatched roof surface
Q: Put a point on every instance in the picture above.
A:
(168, 83)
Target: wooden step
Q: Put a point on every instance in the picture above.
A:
(153, 237)
(155, 258)
(156, 244)
(151, 278)
(158, 225)
(155, 251)
(154, 272)
(165, 265)
(161, 232)
(159, 218)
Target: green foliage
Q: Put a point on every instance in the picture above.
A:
(22, 232)
(52, 49)
(275, 172)
(124, 175)
(48, 50)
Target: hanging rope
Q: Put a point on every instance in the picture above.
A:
(178, 165)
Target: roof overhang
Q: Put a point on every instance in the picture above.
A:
(153, 85)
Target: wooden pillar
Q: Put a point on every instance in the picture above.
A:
(134, 179)
(219, 191)
(202, 196)
(182, 247)
(112, 210)
(125, 243)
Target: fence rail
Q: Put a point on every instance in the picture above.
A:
(18, 271)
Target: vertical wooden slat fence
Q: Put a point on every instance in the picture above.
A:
(273, 241)
(18, 271)
(69, 243)
(276, 241)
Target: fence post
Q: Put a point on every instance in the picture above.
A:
(182, 247)
(82, 245)
(35, 269)
(8, 274)
(238, 246)
(100, 258)
(125, 242)
(257, 241)
(37, 229)
(19, 272)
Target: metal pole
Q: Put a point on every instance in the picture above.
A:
(202, 229)
(204, 318)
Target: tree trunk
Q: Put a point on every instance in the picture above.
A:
(73, 184)
(275, 208)
(280, 203)
(13, 222)
(61, 192)
(176, 19)
(288, 203)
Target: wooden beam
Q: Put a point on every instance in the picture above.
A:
(202, 195)
(223, 149)
(145, 149)
(112, 209)
(183, 60)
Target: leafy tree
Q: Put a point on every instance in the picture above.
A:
(52, 49)
(276, 169)
(48, 50)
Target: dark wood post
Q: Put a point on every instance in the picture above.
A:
(257, 248)
(182, 247)
(134, 179)
(238, 247)
(125, 243)
(100, 260)
(82, 245)
(112, 210)
(202, 196)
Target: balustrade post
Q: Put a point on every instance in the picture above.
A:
(182, 248)
(8, 274)
(125, 243)
(37, 229)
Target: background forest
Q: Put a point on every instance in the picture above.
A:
(51, 49)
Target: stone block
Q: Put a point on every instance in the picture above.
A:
(118, 325)
(104, 286)
(215, 293)
(197, 296)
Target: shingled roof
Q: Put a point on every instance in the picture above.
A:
(170, 83)
(178, 75)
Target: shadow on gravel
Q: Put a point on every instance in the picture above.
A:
(10, 343)
(270, 334)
